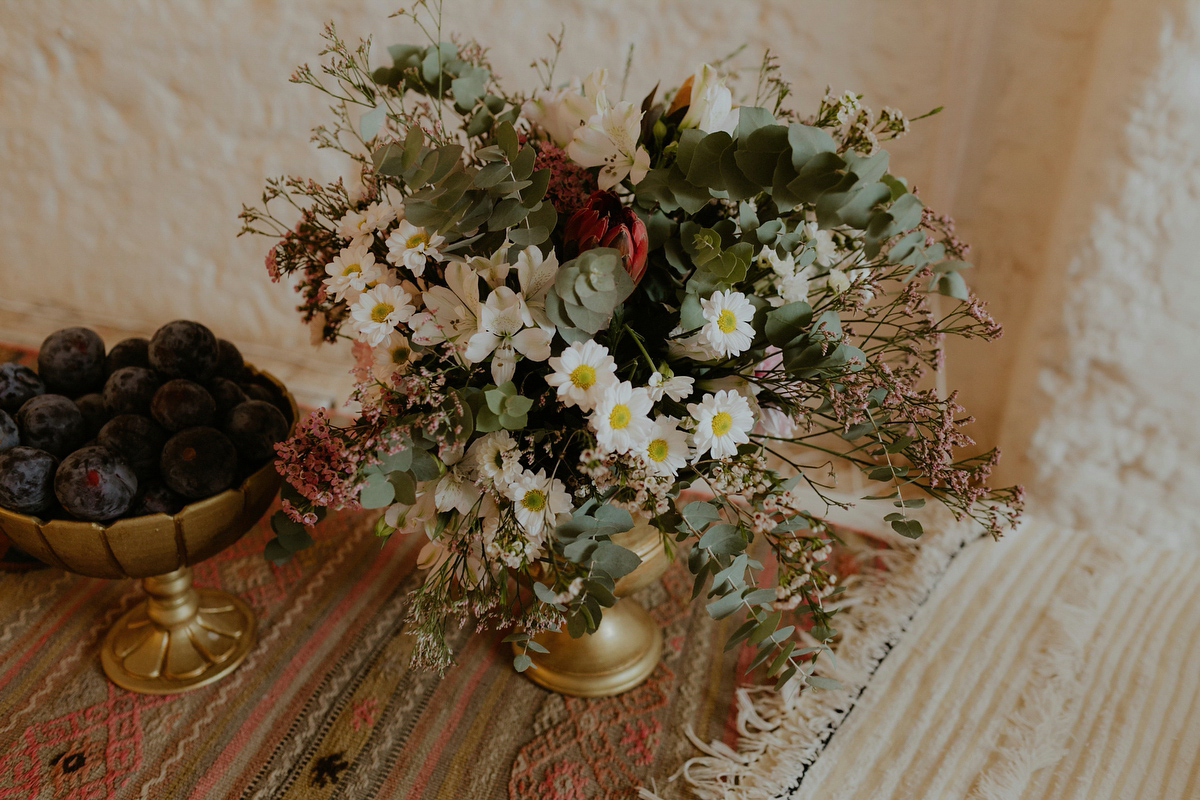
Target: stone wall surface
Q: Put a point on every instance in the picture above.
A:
(131, 132)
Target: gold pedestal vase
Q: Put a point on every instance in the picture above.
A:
(627, 645)
(180, 637)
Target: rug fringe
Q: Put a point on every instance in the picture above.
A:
(780, 735)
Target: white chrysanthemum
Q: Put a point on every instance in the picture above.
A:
(378, 216)
(582, 373)
(538, 500)
(378, 311)
(667, 452)
(609, 141)
(495, 460)
(410, 246)
(723, 421)
(504, 331)
(455, 492)
(353, 227)
(392, 356)
(352, 271)
(677, 387)
(622, 418)
(728, 330)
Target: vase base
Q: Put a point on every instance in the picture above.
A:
(618, 657)
(142, 655)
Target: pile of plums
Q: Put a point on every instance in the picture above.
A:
(145, 428)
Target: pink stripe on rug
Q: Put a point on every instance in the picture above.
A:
(60, 621)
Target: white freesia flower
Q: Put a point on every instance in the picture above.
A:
(723, 421)
(378, 311)
(622, 418)
(774, 422)
(677, 387)
(826, 248)
(695, 347)
(838, 281)
(536, 274)
(495, 460)
(609, 141)
(538, 501)
(392, 356)
(582, 374)
(352, 271)
(451, 311)
(455, 492)
(728, 330)
(667, 450)
(410, 246)
(711, 106)
(560, 112)
(504, 331)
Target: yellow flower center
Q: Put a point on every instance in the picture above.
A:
(722, 423)
(400, 355)
(381, 312)
(417, 240)
(727, 321)
(351, 269)
(619, 418)
(361, 222)
(534, 501)
(584, 376)
(658, 450)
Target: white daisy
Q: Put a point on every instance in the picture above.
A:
(392, 356)
(410, 246)
(677, 387)
(351, 272)
(495, 460)
(723, 421)
(622, 418)
(378, 311)
(538, 500)
(378, 216)
(667, 452)
(582, 374)
(609, 141)
(728, 330)
(504, 331)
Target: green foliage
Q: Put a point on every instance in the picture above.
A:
(586, 291)
(503, 407)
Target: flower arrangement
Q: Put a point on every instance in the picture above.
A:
(567, 310)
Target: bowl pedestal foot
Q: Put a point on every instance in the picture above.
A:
(180, 638)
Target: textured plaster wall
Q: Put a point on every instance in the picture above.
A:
(131, 132)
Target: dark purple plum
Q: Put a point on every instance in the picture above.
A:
(268, 392)
(94, 483)
(230, 363)
(157, 498)
(199, 462)
(18, 384)
(227, 395)
(254, 427)
(133, 352)
(27, 480)
(184, 349)
(10, 435)
(129, 390)
(137, 439)
(181, 403)
(94, 411)
(256, 392)
(71, 362)
(52, 423)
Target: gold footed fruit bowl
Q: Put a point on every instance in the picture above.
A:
(627, 645)
(180, 637)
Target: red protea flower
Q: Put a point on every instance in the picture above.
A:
(604, 222)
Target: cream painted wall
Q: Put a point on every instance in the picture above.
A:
(131, 132)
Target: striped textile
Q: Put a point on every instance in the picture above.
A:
(325, 706)
(1053, 665)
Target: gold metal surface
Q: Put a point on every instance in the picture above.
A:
(180, 638)
(625, 648)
